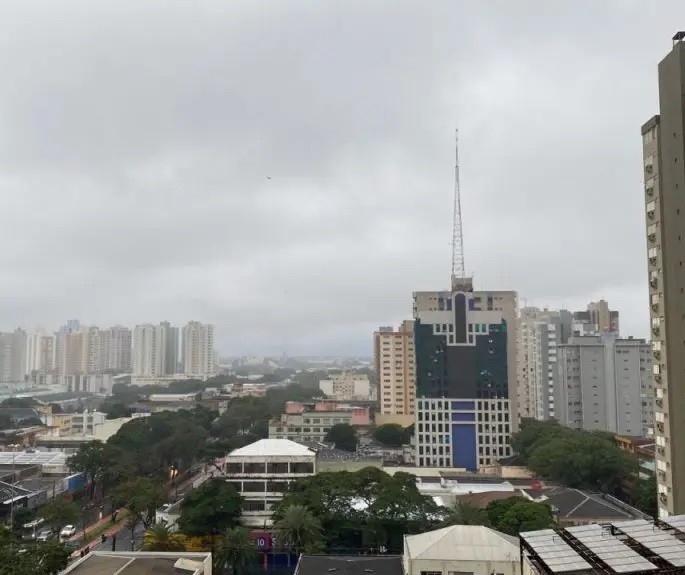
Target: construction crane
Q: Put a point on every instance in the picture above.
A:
(459, 280)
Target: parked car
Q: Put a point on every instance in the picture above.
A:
(67, 531)
(44, 535)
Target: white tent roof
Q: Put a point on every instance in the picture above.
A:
(271, 447)
(463, 543)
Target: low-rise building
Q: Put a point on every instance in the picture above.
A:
(348, 386)
(472, 549)
(311, 422)
(142, 563)
(261, 473)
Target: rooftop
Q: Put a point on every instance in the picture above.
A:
(463, 543)
(272, 447)
(621, 547)
(33, 458)
(349, 565)
(576, 504)
(139, 563)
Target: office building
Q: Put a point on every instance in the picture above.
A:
(347, 386)
(310, 422)
(540, 333)
(395, 366)
(597, 318)
(261, 473)
(465, 346)
(155, 349)
(605, 384)
(115, 350)
(663, 138)
(198, 349)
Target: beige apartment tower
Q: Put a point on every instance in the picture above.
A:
(395, 365)
(663, 138)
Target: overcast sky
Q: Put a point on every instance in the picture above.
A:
(137, 139)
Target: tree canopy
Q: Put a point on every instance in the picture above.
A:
(343, 436)
(392, 434)
(364, 509)
(211, 508)
(574, 458)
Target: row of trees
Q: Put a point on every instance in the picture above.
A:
(511, 515)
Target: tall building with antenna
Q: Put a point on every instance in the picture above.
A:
(465, 347)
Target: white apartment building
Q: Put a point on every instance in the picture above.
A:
(605, 383)
(155, 349)
(12, 356)
(347, 386)
(540, 332)
(261, 473)
(394, 362)
(115, 349)
(198, 349)
(40, 352)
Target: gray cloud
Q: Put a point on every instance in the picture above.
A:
(136, 139)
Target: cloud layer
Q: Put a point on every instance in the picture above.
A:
(284, 169)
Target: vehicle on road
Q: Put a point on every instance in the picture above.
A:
(30, 530)
(45, 535)
(67, 531)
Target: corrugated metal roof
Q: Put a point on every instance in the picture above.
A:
(271, 447)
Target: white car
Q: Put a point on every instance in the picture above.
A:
(68, 531)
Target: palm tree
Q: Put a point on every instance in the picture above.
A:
(160, 538)
(465, 513)
(236, 551)
(298, 530)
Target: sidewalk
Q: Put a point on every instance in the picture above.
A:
(96, 526)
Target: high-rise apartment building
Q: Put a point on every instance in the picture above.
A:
(597, 318)
(155, 349)
(465, 346)
(13, 356)
(605, 384)
(171, 351)
(115, 350)
(663, 139)
(71, 351)
(540, 333)
(395, 366)
(40, 352)
(198, 349)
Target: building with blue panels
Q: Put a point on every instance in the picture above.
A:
(465, 345)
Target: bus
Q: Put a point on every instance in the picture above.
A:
(31, 529)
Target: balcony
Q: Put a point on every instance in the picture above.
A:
(649, 191)
(657, 354)
(649, 168)
(656, 330)
(660, 427)
(651, 214)
(663, 499)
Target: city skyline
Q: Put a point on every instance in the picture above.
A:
(315, 156)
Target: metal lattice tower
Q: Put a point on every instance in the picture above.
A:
(458, 269)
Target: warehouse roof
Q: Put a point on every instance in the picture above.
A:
(463, 543)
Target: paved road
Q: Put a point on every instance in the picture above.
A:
(123, 540)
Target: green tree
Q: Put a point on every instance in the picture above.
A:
(466, 513)
(343, 436)
(516, 514)
(142, 497)
(298, 530)
(582, 460)
(159, 538)
(211, 508)
(60, 512)
(117, 410)
(236, 552)
(89, 459)
(392, 435)
(533, 433)
(643, 496)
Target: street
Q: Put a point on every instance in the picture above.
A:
(123, 540)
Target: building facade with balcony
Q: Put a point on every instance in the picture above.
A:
(261, 473)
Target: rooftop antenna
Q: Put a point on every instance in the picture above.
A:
(459, 280)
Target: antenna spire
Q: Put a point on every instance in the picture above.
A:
(459, 280)
(458, 269)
